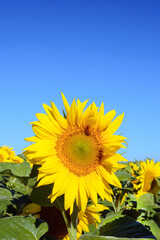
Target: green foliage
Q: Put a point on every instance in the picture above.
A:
(92, 237)
(146, 202)
(39, 195)
(123, 175)
(119, 225)
(153, 226)
(5, 197)
(28, 228)
(127, 217)
(15, 169)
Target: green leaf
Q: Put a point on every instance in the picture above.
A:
(39, 195)
(20, 187)
(158, 181)
(123, 226)
(5, 197)
(146, 203)
(31, 183)
(111, 216)
(93, 237)
(92, 230)
(22, 156)
(74, 222)
(153, 226)
(123, 176)
(15, 169)
(106, 203)
(5, 194)
(28, 228)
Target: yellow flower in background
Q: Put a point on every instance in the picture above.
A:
(3, 155)
(31, 209)
(91, 216)
(134, 167)
(54, 218)
(17, 159)
(77, 152)
(8, 155)
(147, 174)
(135, 172)
(11, 153)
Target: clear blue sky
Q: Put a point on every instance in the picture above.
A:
(106, 50)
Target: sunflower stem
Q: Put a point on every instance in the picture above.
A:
(114, 207)
(72, 224)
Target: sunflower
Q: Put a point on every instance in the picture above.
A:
(11, 153)
(91, 216)
(134, 168)
(77, 152)
(17, 159)
(8, 155)
(31, 209)
(147, 174)
(3, 155)
(57, 227)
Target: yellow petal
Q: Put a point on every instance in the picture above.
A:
(66, 105)
(106, 120)
(58, 117)
(41, 132)
(82, 195)
(61, 182)
(31, 139)
(72, 192)
(109, 177)
(112, 128)
(80, 108)
(90, 188)
(48, 179)
(99, 185)
(72, 114)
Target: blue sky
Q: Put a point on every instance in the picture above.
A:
(107, 50)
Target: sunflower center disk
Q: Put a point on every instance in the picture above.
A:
(80, 153)
(81, 150)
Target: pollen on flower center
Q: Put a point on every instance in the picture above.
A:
(79, 151)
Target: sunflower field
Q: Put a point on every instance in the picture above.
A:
(73, 183)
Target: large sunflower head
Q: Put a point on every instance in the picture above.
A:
(77, 152)
(147, 174)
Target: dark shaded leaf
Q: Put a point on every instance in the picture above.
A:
(124, 226)
(39, 195)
